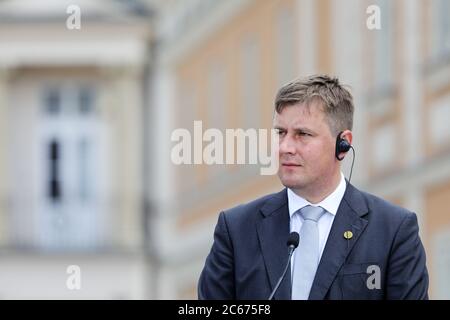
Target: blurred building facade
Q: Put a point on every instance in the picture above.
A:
(71, 104)
(222, 63)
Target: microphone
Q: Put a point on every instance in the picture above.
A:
(292, 244)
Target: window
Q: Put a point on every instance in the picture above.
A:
(250, 94)
(285, 46)
(441, 25)
(84, 172)
(217, 96)
(385, 139)
(441, 258)
(85, 101)
(54, 191)
(52, 101)
(438, 121)
(216, 108)
(384, 46)
(69, 100)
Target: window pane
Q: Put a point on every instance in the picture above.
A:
(444, 24)
(84, 161)
(54, 192)
(52, 101)
(384, 49)
(251, 77)
(86, 101)
(285, 46)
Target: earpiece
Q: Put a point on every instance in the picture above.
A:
(342, 145)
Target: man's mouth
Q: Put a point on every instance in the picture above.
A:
(290, 164)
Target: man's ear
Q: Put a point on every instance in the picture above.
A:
(343, 143)
(347, 135)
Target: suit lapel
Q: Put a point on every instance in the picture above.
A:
(348, 218)
(273, 231)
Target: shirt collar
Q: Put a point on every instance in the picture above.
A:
(330, 203)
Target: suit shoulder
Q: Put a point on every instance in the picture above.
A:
(385, 208)
(250, 209)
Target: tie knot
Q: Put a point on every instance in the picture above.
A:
(312, 213)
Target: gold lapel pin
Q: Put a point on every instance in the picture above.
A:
(348, 235)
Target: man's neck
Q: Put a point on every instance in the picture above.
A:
(319, 192)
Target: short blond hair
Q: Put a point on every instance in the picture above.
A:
(337, 102)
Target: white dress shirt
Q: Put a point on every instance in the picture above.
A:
(330, 204)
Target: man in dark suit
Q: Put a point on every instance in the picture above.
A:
(353, 245)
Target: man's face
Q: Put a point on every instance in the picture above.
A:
(307, 148)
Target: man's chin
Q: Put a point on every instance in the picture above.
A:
(292, 183)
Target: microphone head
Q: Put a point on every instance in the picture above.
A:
(293, 239)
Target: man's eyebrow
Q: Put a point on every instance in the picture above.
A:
(302, 129)
(295, 129)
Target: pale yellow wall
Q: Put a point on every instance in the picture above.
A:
(436, 198)
(437, 220)
(324, 40)
(258, 20)
(393, 114)
(437, 208)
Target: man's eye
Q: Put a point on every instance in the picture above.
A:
(304, 134)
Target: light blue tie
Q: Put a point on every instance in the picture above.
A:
(307, 254)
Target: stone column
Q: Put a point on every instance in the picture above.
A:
(121, 102)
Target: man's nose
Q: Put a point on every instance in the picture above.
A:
(287, 145)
